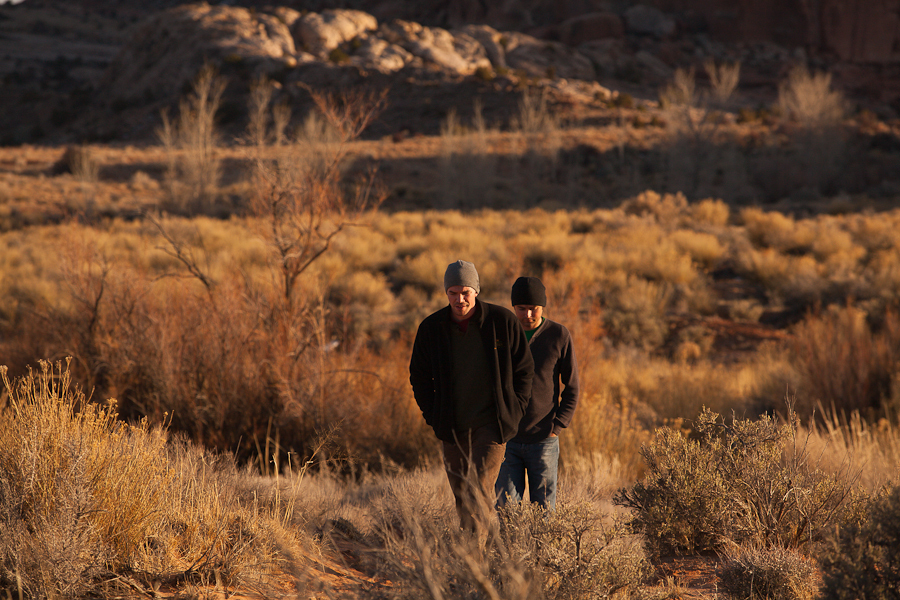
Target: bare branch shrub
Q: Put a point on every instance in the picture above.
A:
(193, 165)
(702, 159)
(302, 199)
(534, 116)
(539, 141)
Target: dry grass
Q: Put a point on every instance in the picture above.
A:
(282, 334)
(93, 506)
(616, 279)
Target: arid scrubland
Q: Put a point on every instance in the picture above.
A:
(263, 307)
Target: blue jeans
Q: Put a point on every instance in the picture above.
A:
(540, 461)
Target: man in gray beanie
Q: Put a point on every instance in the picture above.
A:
(471, 374)
(534, 451)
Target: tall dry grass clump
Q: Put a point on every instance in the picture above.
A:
(702, 159)
(873, 449)
(808, 100)
(90, 505)
(81, 491)
(467, 165)
(847, 366)
(723, 80)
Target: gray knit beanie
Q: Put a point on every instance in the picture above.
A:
(528, 291)
(461, 273)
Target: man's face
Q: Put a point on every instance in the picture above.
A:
(462, 301)
(529, 315)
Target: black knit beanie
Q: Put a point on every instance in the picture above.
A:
(529, 291)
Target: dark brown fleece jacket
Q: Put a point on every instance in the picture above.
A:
(552, 405)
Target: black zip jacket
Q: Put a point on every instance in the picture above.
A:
(505, 345)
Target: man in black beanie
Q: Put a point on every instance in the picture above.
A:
(471, 374)
(534, 451)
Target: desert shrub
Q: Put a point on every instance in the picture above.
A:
(773, 229)
(467, 166)
(862, 560)
(711, 212)
(682, 504)
(844, 364)
(574, 551)
(738, 481)
(666, 209)
(635, 312)
(749, 572)
(338, 56)
(703, 248)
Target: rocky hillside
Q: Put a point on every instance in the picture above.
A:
(101, 70)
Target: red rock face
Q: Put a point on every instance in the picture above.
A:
(853, 30)
(862, 30)
(589, 27)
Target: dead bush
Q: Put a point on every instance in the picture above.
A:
(819, 144)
